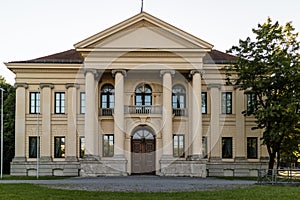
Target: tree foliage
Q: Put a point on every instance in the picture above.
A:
(8, 124)
(268, 68)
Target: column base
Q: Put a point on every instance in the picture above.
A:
(194, 157)
(89, 157)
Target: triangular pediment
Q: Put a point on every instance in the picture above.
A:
(143, 31)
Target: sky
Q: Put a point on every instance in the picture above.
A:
(36, 28)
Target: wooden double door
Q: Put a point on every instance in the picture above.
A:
(142, 156)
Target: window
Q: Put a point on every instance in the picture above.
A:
(59, 147)
(178, 100)
(226, 147)
(107, 100)
(178, 146)
(226, 103)
(251, 147)
(250, 103)
(33, 147)
(81, 147)
(59, 102)
(82, 103)
(143, 95)
(204, 147)
(204, 102)
(108, 145)
(35, 102)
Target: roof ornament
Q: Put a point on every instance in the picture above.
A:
(142, 7)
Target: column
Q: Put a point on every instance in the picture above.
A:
(46, 121)
(91, 151)
(215, 135)
(167, 114)
(241, 143)
(72, 121)
(20, 128)
(196, 115)
(119, 133)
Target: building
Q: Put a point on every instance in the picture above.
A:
(142, 97)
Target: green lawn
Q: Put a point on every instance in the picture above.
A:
(27, 191)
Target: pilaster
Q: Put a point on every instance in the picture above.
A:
(20, 128)
(240, 125)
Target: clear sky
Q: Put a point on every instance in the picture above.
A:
(35, 28)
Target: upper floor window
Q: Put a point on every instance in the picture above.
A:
(204, 102)
(107, 96)
(250, 103)
(178, 96)
(226, 103)
(143, 95)
(82, 103)
(60, 102)
(35, 102)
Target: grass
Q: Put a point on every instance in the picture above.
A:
(28, 191)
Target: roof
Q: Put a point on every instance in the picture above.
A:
(73, 57)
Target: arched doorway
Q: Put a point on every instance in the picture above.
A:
(143, 151)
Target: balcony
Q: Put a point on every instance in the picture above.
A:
(106, 111)
(157, 109)
(180, 111)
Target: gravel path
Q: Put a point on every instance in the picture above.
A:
(139, 184)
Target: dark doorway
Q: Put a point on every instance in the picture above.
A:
(143, 153)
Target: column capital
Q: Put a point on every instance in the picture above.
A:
(24, 85)
(92, 70)
(122, 71)
(44, 85)
(70, 85)
(214, 85)
(164, 71)
(200, 71)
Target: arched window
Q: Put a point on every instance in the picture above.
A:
(143, 95)
(107, 99)
(178, 100)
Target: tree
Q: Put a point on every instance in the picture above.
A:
(8, 124)
(268, 68)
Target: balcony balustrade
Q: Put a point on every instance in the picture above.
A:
(180, 111)
(157, 109)
(106, 111)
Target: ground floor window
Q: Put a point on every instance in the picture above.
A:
(227, 147)
(204, 147)
(59, 147)
(251, 147)
(33, 144)
(81, 146)
(178, 146)
(108, 145)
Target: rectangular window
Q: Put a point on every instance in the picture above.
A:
(81, 147)
(108, 145)
(227, 147)
(82, 103)
(60, 102)
(178, 146)
(250, 103)
(34, 102)
(226, 102)
(33, 147)
(251, 147)
(204, 102)
(59, 147)
(204, 147)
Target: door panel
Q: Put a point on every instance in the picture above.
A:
(143, 156)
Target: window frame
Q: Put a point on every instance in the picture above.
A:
(230, 153)
(61, 107)
(62, 149)
(255, 148)
(204, 102)
(142, 93)
(177, 154)
(204, 147)
(110, 148)
(250, 107)
(37, 103)
(81, 146)
(177, 96)
(225, 108)
(110, 103)
(82, 103)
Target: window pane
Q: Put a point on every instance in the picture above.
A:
(82, 147)
(178, 146)
(204, 102)
(108, 145)
(251, 147)
(204, 147)
(32, 147)
(227, 147)
(59, 147)
(82, 103)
